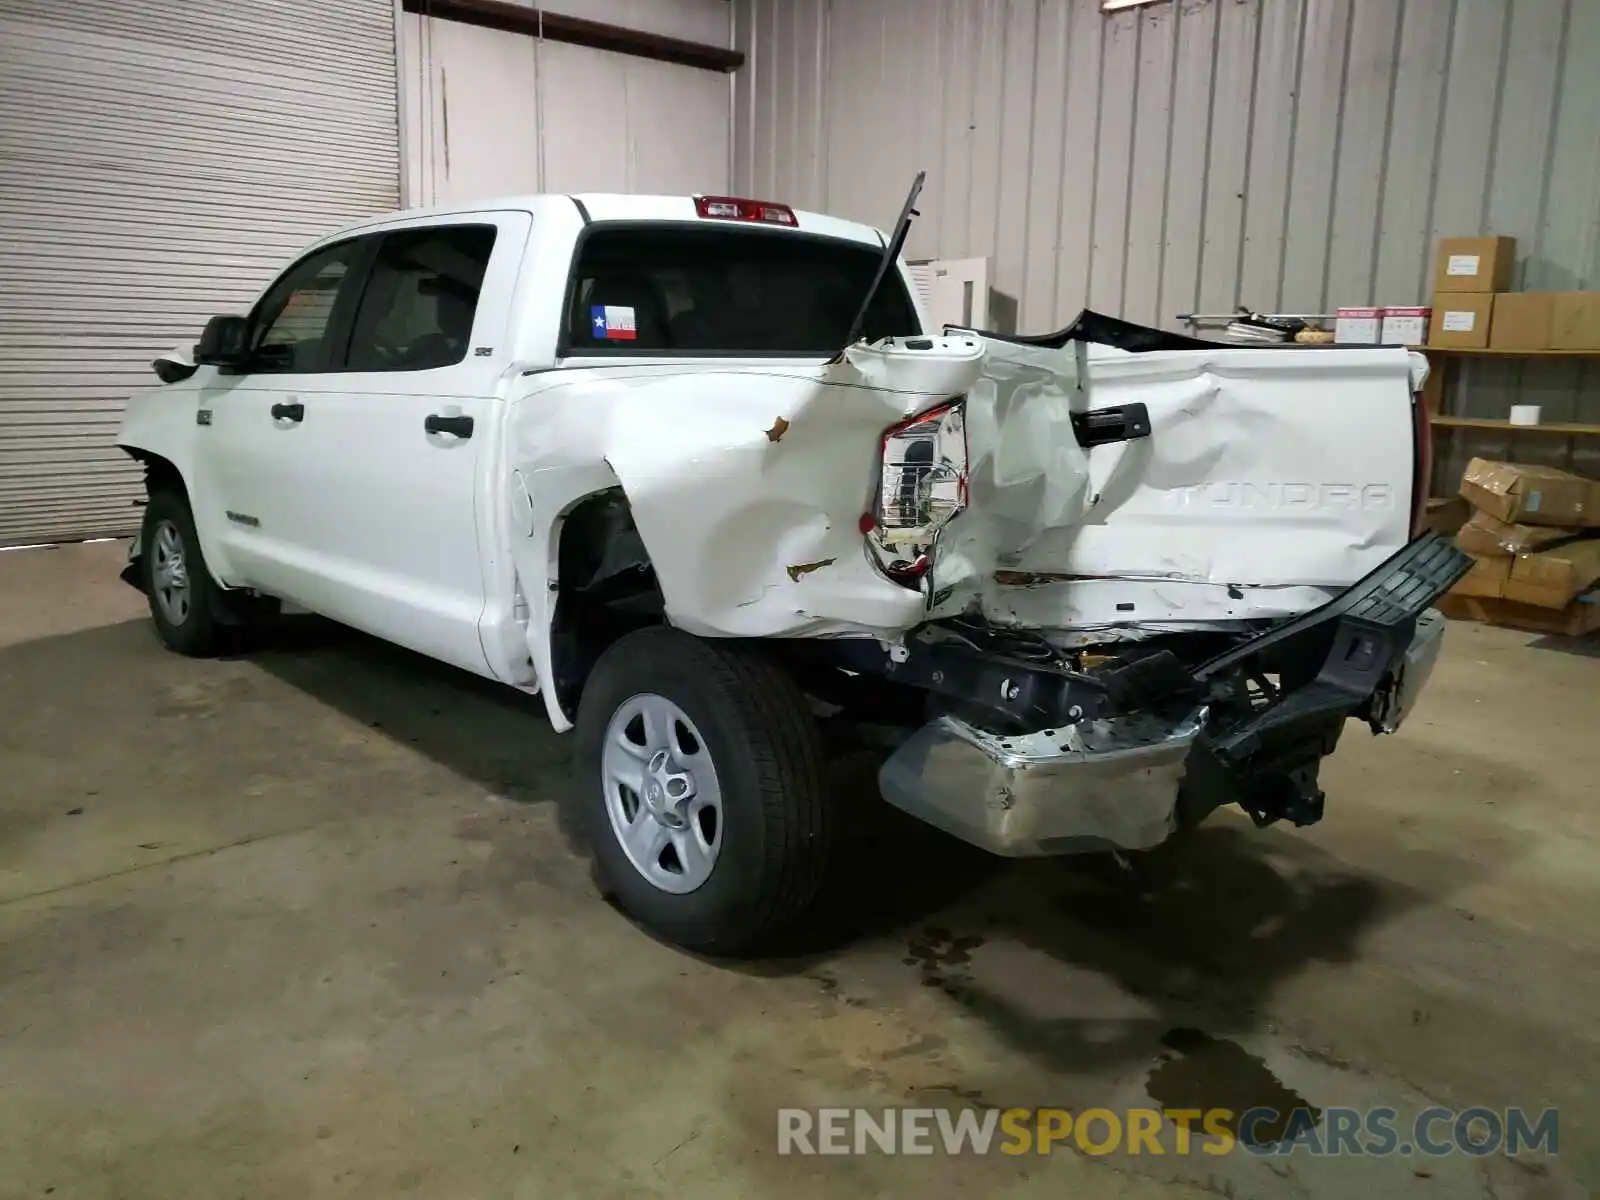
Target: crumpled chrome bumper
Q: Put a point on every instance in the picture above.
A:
(1091, 786)
(1110, 783)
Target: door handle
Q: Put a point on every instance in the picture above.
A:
(1102, 426)
(289, 412)
(460, 426)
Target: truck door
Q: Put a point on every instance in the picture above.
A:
(386, 485)
(255, 435)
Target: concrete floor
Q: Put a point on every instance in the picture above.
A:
(304, 925)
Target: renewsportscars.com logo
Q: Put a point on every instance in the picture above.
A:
(1377, 1132)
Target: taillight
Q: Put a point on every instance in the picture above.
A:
(922, 487)
(733, 208)
(1422, 463)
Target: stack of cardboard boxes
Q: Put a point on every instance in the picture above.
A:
(1473, 310)
(1534, 535)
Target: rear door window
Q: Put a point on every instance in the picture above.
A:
(697, 290)
(417, 311)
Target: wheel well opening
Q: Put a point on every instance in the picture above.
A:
(606, 588)
(159, 474)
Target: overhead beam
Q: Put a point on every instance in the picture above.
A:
(597, 35)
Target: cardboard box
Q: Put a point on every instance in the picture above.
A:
(1404, 326)
(1461, 319)
(1554, 578)
(1357, 326)
(1474, 264)
(1445, 515)
(1575, 321)
(1522, 321)
(1488, 535)
(1488, 577)
(1531, 495)
(1580, 617)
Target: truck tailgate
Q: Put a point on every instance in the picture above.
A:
(1267, 479)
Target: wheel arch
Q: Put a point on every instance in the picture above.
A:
(164, 473)
(601, 585)
(159, 472)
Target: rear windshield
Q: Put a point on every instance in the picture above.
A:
(693, 289)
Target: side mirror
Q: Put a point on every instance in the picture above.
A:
(174, 366)
(223, 344)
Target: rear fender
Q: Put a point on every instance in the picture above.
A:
(747, 483)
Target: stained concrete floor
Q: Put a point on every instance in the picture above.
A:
(303, 924)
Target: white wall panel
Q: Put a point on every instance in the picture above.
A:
(1274, 110)
(1079, 132)
(1314, 156)
(1113, 161)
(1364, 126)
(1405, 249)
(1046, 154)
(1228, 167)
(1190, 157)
(1152, 149)
(491, 114)
(1201, 154)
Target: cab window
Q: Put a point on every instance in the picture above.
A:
(292, 328)
(421, 298)
(714, 289)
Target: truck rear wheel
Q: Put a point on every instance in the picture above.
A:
(700, 786)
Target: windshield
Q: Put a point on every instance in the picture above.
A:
(700, 289)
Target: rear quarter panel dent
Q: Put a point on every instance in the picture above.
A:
(724, 509)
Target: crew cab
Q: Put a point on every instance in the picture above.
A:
(696, 472)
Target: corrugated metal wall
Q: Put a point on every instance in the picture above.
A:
(1194, 155)
(160, 161)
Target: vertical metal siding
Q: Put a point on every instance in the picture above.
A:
(158, 163)
(582, 120)
(1199, 154)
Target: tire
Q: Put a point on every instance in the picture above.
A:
(185, 616)
(748, 738)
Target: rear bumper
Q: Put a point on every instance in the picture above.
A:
(1092, 786)
(1392, 704)
(1111, 783)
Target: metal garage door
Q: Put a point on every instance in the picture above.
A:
(160, 160)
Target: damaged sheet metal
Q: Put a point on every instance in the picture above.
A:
(724, 509)
(1268, 478)
(799, 569)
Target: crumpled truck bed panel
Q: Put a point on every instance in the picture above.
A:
(1270, 478)
(747, 486)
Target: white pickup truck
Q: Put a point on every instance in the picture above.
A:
(695, 471)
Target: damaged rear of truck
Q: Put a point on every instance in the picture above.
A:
(1083, 589)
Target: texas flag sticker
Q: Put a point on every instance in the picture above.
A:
(613, 322)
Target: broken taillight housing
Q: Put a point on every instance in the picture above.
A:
(922, 487)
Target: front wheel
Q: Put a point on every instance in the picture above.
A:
(176, 581)
(700, 781)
